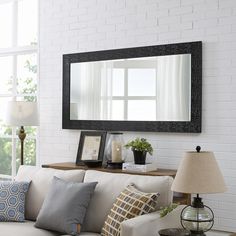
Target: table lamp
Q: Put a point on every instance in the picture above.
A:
(198, 173)
(22, 114)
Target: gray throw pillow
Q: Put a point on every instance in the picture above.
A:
(12, 200)
(65, 206)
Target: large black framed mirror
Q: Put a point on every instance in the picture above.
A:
(154, 88)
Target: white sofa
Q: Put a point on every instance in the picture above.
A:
(108, 188)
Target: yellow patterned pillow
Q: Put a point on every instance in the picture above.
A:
(130, 203)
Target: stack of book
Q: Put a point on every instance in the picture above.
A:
(130, 166)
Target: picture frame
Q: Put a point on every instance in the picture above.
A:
(91, 147)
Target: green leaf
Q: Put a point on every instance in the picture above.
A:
(166, 210)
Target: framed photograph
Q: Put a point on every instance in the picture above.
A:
(91, 146)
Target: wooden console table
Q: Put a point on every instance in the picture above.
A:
(183, 199)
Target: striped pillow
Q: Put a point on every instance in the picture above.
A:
(130, 203)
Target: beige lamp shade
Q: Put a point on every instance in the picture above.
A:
(22, 113)
(198, 172)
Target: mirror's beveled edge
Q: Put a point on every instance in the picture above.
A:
(193, 126)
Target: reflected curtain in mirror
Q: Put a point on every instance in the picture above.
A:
(174, 88)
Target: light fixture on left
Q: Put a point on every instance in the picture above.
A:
(20, 113)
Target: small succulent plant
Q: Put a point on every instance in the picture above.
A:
(140, 144)
(166, 210)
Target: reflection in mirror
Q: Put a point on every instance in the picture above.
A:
(149, 88)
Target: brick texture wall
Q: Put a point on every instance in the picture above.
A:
(68, 26)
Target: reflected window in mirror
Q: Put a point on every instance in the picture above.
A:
(147, 88)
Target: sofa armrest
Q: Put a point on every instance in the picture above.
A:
(150, 224)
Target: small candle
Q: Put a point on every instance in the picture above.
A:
(116, 155)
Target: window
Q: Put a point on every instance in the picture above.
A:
(134, 90)
(18, 77)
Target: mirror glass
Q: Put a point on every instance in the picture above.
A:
(146, 88)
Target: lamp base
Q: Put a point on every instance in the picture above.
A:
(22, 136)
(197, 233)
(197, 218)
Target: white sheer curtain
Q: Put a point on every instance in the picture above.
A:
(91, 91)
(90, 94)
(85, 90)
(173, 88)
(106, 90)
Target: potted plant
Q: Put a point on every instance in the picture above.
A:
(140, 147)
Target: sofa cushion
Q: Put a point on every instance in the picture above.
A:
(85, 234)
(65, 206)
(130, 203)
(89, 234)
(110, 186)
(12, 200)
(40, 181)
(23, 229)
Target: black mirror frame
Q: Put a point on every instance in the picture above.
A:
(192, 126)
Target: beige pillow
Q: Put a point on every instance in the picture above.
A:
(110, 185)
(130, 203)
(40, 182)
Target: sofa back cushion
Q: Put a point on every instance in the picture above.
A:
(110, 185)
(40, 181)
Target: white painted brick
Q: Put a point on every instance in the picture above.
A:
(211, 5)
(142, 31)
(71, 19)
(233, 28)
(169, 3)
(116, 5)
(193, 16)
(193, 34)
(78, 25)
(135, 18)
(86, 17)
(226, 3)
(106, 28)
(227, 20)
(169, 20)
(148, 8)
(126, 11)
(180, 10)
(191, 2)
(222, 12)
(85, 3)
(69, 26)
(170, 35)
(127, 26)
(148, 21)
(181, 26)
(228, 37)
(104, 43)
(151, 38)
(162, 13)
(219, 30)
(115, 20)
(206, 23)
(78, 11)
(115, 35)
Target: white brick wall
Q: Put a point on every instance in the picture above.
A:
(85, 25)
